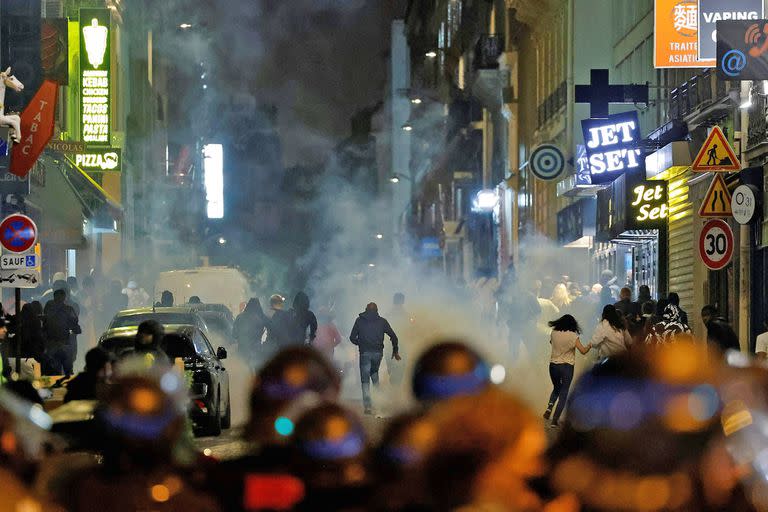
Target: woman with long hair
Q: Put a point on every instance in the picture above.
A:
(560, 297)
(611, 336)
(564, 340)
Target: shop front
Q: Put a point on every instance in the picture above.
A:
(631, 230)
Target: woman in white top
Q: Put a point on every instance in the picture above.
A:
(611, 336)
(565, 341)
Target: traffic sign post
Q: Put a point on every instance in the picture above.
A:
(716, 244)
(717, 201)
(18, 233)
(716, 155)
(745, 203)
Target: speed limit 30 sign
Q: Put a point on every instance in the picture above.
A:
(716, 244)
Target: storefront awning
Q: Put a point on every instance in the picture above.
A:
(69, 203)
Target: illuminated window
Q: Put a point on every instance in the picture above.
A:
(213, 164)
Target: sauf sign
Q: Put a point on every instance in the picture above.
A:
(647, 205)
(612, 146)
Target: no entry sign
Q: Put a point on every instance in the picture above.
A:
(18, 233)
(716, 244)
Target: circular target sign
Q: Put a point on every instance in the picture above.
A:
(547, 162)
(716, 244)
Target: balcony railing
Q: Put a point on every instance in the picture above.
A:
(758, 118)
(553, 104)
(488, 50)
(695, 94)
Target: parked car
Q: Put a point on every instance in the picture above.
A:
(219, 320)
(178, 315)
(210, 408)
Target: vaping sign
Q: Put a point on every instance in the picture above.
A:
(712, 11)
(95, 75)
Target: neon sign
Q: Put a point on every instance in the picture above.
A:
(95, 75)
(647, 205)
(612, 146)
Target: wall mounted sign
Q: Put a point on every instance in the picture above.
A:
(647, 205)
(600, 93)
(676, 33)
(95, 71)
(583, 174)
(712, 11)
(37, 123)
(742, 50)
(547, 162)
(716, 154)
(717, 201)
(744, 203)
(613, 146)
(67, 146)
(100, 160)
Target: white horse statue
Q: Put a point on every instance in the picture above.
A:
(14, 121)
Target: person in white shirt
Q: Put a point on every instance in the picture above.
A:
(761, 345)
(611, 336)
(565, 341)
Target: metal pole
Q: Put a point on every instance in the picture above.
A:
(17, 292)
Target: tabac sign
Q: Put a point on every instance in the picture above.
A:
(95, 76)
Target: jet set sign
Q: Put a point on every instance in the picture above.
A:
(613, 146)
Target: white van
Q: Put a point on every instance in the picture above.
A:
(214, 285)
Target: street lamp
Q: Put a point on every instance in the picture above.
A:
(395, 178)
(416, 101)
(485, 201)
(407, 127)
(431, 54)
(222, 240)
(185, 26)
(379, 236)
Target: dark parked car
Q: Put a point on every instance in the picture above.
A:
(179, 315)
(210, 409)
(218, 318)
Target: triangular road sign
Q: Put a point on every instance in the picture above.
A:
(717, 202)
(716, 155)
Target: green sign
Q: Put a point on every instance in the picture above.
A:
(99, 160)
(95, 76)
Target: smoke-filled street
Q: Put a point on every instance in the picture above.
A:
(383, 255)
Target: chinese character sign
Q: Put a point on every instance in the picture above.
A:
(676, 35)
(95, 75)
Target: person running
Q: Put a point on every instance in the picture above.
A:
(564, 340)
(611, 336)
(368, 334)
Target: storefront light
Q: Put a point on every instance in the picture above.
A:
(486, 201)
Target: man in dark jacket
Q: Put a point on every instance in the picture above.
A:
(282, 328)
(61, 328)
(98, 371)
(249, 329)
(304, 319)
(368, 334)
